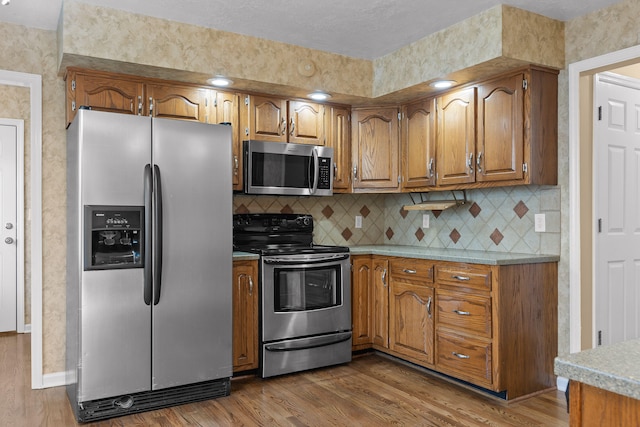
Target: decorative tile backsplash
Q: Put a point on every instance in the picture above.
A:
(498, 219)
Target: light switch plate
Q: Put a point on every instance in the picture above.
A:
(358, 221)
(540, 223)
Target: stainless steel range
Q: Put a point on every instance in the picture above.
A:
(305, 296)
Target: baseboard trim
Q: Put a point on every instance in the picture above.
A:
(562, 383)
(56, 379)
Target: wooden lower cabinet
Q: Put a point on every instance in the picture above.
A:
(245, 315)
(594, 407)
(494, 326)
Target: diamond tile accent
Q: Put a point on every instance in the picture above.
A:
(242, 209)
(389, 233)
(346, 233)
(419, 234)
(327, 211)
(475, 209)
(496, 236)
(436, 214)
(365, 211)
(455, 235)
(521, 209)
(403, 212)
(286, 209)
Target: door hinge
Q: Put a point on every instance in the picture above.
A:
(206, 102)
(246, 131)
(600, 112)
(73, 84)
(399, 116)
(246, 100)
(399, 179)
(599, 225)
(525, 168)
(525, 84)
(215, 102)
(73, 105)
(599, 337)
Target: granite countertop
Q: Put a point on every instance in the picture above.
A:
(244, 256)
(614, 368)
(454, 255)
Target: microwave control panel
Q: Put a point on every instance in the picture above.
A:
(324, 174)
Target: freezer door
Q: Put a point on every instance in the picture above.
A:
(191, 338)
(115, 322)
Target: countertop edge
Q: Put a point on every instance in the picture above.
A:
(245, 256)
(453, 255)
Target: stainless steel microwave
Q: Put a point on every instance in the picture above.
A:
(287, 169)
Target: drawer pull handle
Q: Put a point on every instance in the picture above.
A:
(462, 313)
(462, 278)
(409, 271)
(460, 355)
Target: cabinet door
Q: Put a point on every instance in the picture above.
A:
(179, 102)
(266, 119)
(105, 92)
(456, 137)
(500, 144)
(361, 296)
(339, 138)
(380, 307)
(245, 315)
(411, 320)
(418, 139)
(306, 123)
(227, 111)
(375, 149)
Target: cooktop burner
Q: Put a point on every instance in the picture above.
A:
(277, 234)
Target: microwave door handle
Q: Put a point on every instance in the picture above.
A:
(316, 170)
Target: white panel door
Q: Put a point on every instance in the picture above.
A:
(8, 252)
(617, 209)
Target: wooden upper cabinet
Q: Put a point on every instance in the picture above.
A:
(180, 102)
(375, 147)
(103, 92)
(266, 118)
(418, 140)
(500, 146)
(306, 123)
(339, 138)
(227, 107)
(456, 137)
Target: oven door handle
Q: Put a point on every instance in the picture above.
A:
(297, 260)
(307, 343)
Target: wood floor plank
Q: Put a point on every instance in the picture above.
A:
(370, 391)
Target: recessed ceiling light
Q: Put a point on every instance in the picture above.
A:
(442, 84)
(5, 2)
(319, 96)
(220, 81)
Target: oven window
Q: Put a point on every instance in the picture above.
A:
(303, 289)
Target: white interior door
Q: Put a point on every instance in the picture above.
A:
(8, 216)
(617, 208)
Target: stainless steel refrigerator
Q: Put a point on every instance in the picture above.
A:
(149, 259)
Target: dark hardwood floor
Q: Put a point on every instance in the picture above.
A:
(370, 391)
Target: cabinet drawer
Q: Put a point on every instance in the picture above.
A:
(466, 358)
(468, 313)
(412, 269)
(468, 276)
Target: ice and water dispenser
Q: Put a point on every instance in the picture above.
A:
(114, 237)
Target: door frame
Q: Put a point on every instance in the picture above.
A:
(575, 70)
(34, 83)
(19, 124)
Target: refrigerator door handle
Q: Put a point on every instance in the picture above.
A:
(157, 238)
(148, 277)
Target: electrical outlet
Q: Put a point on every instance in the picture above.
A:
(540, 223)
(425, 220)
(358, 221)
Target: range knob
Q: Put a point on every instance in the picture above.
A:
(306, 220)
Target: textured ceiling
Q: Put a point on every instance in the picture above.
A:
(358, 28)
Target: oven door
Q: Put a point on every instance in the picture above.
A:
(305, 295)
